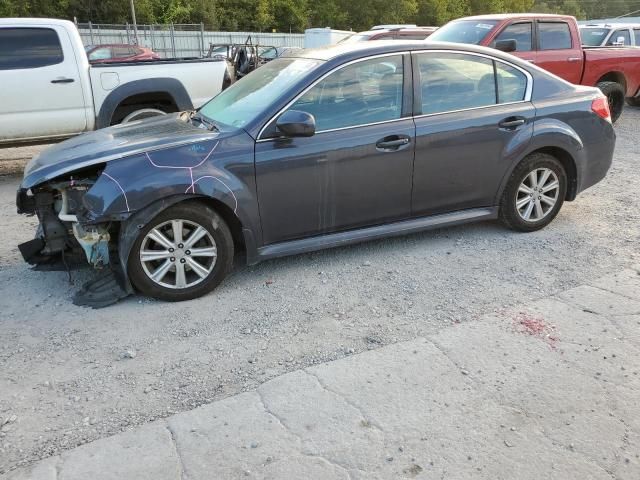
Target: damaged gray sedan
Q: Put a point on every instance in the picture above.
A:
(316, 149)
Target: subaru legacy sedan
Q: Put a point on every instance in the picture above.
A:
(316, 149)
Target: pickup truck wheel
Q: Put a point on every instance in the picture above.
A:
(633, 101)
(615, 95)
(183, 253)
(534, 194)
(142, 113)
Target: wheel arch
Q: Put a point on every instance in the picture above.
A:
(145, 90)
(614, 76)
(566, 158)
(242, 237)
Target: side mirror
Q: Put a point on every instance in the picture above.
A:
(295, 123)
(506, 45)
(619, 42)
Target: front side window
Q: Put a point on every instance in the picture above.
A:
(365, 92)
(554, 35)
(29, 48)
(521, 33)
(620, 38)
(452, 82)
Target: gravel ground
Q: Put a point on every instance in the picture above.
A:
(12, 160)
(71, 375)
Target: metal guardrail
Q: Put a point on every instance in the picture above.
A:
(179, 40)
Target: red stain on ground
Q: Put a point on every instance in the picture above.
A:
(536, 326)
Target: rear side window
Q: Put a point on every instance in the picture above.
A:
(365, 92)
(451, 82)
(455, 82)
(554, 35)
(619, 38)
(636, 34)
(521, 33)
(512, 83)
(29, 48)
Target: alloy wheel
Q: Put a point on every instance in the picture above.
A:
(178, 254)
(537, 194)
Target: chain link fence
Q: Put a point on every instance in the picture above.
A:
(179, 40)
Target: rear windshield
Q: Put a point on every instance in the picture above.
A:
(593, 37)
(464, 31)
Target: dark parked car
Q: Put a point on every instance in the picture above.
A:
(318, 149)
(119, 53)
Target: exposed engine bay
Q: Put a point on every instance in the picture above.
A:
(66, 239)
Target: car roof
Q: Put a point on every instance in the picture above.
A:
(19, 22)
(352, 51)
(510, 16)
(609, 25)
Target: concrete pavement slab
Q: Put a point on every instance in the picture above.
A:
(548, 390)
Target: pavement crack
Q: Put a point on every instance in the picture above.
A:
(347, 400)
(58, 468)
(181, 473)
(277, 418)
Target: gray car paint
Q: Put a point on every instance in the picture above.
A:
(308, 193)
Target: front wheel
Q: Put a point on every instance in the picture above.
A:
(534, 193)
(183, 253)
(615, 95)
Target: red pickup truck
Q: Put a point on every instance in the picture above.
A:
(553, 42)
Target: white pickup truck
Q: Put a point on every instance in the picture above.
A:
(49, 91)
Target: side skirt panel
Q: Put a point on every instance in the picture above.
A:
(403, 227)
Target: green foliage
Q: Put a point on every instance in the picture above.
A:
(296, 15)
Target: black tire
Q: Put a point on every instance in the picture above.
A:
(633, 101)
(509, 214)
(615, 94)
(199, 214)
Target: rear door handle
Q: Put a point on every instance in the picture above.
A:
(63, 80)
(392, 142)
(512, 123)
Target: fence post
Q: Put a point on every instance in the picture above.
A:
(201, 39)
(153, 45)
(91, 32)
(173, 40)
(128, 37)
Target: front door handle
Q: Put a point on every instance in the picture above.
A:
(63, 80)
(574, 59)
(511, 123)
(392, 143)
(530, 60)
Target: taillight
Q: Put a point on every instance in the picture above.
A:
(600, 107)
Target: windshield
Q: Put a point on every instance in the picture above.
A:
(593, 37)
(464, 31)
(243, 101)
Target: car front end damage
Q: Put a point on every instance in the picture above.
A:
(69, 237)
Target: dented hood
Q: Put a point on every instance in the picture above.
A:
(111, 143)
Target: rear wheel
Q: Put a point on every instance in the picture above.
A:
(633, 101)
(183, 253)
(615, 95)
(534, 194)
